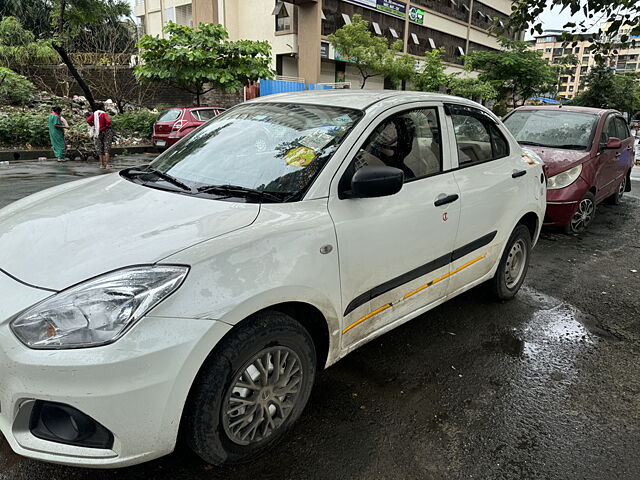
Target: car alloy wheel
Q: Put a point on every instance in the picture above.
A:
(621, 189)
(516, 261)
(262, 395)
(583, 216)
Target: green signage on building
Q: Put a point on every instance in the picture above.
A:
(416, 15)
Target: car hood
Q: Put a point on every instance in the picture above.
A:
(67, 234)
(558, 160)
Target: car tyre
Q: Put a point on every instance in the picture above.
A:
(232, 393)
(616, 198)
(513, 265)
(583, 216)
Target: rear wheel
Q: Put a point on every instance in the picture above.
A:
(583, 216)
(513, 266)
(251, 390)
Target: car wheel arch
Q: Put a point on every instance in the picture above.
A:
(531, 221)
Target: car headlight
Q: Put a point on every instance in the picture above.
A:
(564, 179)
(98, 311)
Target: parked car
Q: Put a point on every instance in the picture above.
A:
(175, 123)
(588, 155)
(202, 292)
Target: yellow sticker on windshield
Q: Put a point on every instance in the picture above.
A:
(300, 156)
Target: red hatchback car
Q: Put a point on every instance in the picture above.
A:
(588, 156)
(175, 123)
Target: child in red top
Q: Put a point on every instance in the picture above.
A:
(100, 130)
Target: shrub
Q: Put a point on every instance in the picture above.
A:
(139, 122)
(14, 89)
(23, 128)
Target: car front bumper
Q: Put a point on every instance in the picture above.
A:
(562, 203)
(136, 387)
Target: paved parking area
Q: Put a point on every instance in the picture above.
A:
(543, 387)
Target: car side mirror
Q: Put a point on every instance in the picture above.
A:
(613, 143)
(376, 181)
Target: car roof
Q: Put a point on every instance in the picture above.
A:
(358, 99)
(568, 108)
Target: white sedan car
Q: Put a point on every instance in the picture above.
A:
(201, 293)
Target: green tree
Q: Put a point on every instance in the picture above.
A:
(14, 88)
(371, 55)
(19, 48)
(202, 59)
(513, 71)
(606, 89)
(622, 16)
(433, 78)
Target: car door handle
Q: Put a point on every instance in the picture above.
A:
(618, 155)
(518, 174)
(446, 199)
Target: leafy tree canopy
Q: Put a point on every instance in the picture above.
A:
(606, 89)
(371, 55)
(433, 78)
(202, 59)
(623, 15)
(513, 71)
(19, 47)
(14, 88)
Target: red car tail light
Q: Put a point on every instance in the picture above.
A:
(178, 125)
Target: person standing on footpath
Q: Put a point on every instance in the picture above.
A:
(100, 130)
(56, 133)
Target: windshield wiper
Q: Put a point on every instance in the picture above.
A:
(164, 176)
(237, 190)
(570, 147)
(533, 144)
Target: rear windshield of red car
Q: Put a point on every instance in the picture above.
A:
(170, 115)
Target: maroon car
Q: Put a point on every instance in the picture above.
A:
(588, 156)
(175, 123)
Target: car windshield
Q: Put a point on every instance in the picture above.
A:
(552, 128)
(269, 147)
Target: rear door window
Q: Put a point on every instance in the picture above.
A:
(170, 115)
(477, 137)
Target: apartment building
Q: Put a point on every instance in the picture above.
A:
(550, 44)
(298, 29)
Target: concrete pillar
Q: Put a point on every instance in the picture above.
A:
(204, 11)
(309, 30)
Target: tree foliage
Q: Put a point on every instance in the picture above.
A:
(202, 59)
(606, 89)
(371, 55)
(622, 15)
(19, 48)
(14, 88)
(513, 71)
(433, 78)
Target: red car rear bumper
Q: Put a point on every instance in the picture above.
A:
(562, 203)
(163, 141)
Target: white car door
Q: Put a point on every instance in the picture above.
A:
(394, 251)
(492, 178)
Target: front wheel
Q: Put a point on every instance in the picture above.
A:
(616, 198)
(513, 266)
(583, 216)
(251, 390)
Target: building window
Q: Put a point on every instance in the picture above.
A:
(571, 88)
(432, 44)
(346, 18)
(393, 32)
(169, 15)
(576, 50)
(549, 39)
(585, 59)
(283, 19)
(547, 50)
(139, 2)
(460, 51)
(184, 15)
(141, 27)
(376, 28)
(415, 39)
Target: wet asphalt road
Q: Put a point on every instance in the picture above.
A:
(546, 386)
